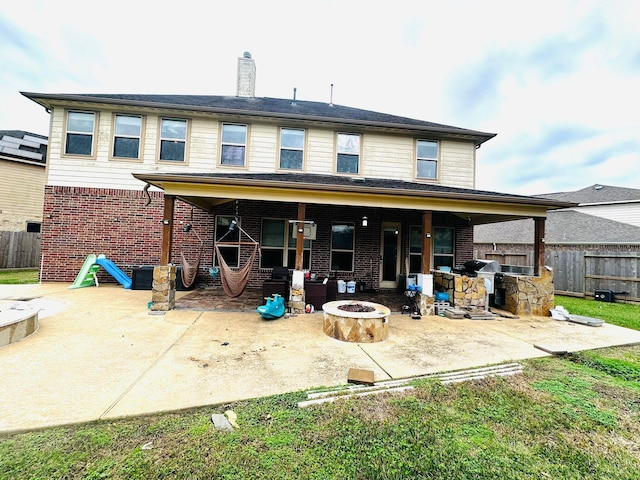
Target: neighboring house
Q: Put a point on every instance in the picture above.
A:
(22, 167)
(594, 245)
(382, 195)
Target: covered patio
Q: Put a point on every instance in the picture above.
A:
(383, 213)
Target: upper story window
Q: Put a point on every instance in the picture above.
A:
(291, 148)
(427, 159)
(173, 139)
(80, 133)
(342, 246)
(126, 137)
(234, 145)
(348, 153)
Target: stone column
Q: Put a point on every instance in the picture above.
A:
(297, 297)
(163, 294)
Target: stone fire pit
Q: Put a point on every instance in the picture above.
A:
(356, 321)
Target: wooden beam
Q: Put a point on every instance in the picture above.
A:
(538, 245)
(427, 232)
(302, 211)
(167, 229)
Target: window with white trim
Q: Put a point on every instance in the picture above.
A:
(231, 253)
(443, 247)
(278, 245)
(342, 247)
(427, 159)
(173, 139)
(80, 133)
(127, 133)
(291, 148)
(348, 153)
(415, 249)
(234, 145)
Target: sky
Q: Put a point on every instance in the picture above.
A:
(557, 81)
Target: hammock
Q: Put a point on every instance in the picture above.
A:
(235, 281)
(189, 271)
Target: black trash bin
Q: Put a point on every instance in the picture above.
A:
(142, 278)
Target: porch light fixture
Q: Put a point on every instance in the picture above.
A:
(232, 225)
(165, 222)
(428, 235)
(365, 221)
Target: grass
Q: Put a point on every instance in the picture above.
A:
(622, 314)
(562, 418)
(20, 276)
(571, 417)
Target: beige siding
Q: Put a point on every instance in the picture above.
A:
(383, 155)
(263, 148)
(388, 156)
(457, 164)
(21, 194)
(320, 151)
(628, 213)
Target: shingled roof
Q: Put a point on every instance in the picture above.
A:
(597, 194)
(23, 146)
(561, 226)
(313, 179)
(276, 108)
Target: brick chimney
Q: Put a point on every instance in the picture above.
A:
(246, 76)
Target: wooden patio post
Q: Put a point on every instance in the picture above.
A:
(427, 231)
(167, 229)
(538, 245)
(302, 210)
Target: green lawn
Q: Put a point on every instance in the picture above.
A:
(571, 417)
(8, 277)
(622, 314)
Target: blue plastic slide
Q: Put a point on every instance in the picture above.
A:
(114, 271)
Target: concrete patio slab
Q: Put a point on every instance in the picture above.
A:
(99, 354)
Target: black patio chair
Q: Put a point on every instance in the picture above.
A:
(278, 283)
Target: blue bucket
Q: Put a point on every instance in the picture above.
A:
(442, 297)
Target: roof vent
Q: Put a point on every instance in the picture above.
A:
(246, 54)
(597, 187)
(358, 179)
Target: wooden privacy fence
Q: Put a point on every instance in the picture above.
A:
(19, 250)
(582, 272)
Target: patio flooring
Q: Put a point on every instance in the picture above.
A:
(101, 354)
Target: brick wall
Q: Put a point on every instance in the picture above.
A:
(81, 221)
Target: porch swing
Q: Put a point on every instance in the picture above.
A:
(234, 282)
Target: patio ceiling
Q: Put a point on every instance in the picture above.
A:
(209, 190)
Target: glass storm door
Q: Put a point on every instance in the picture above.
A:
(389, 254)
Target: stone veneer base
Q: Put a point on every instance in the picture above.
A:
(359, 327)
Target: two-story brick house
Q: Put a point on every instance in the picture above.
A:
(386, 195)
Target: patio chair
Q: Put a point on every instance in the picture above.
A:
(278, 283)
